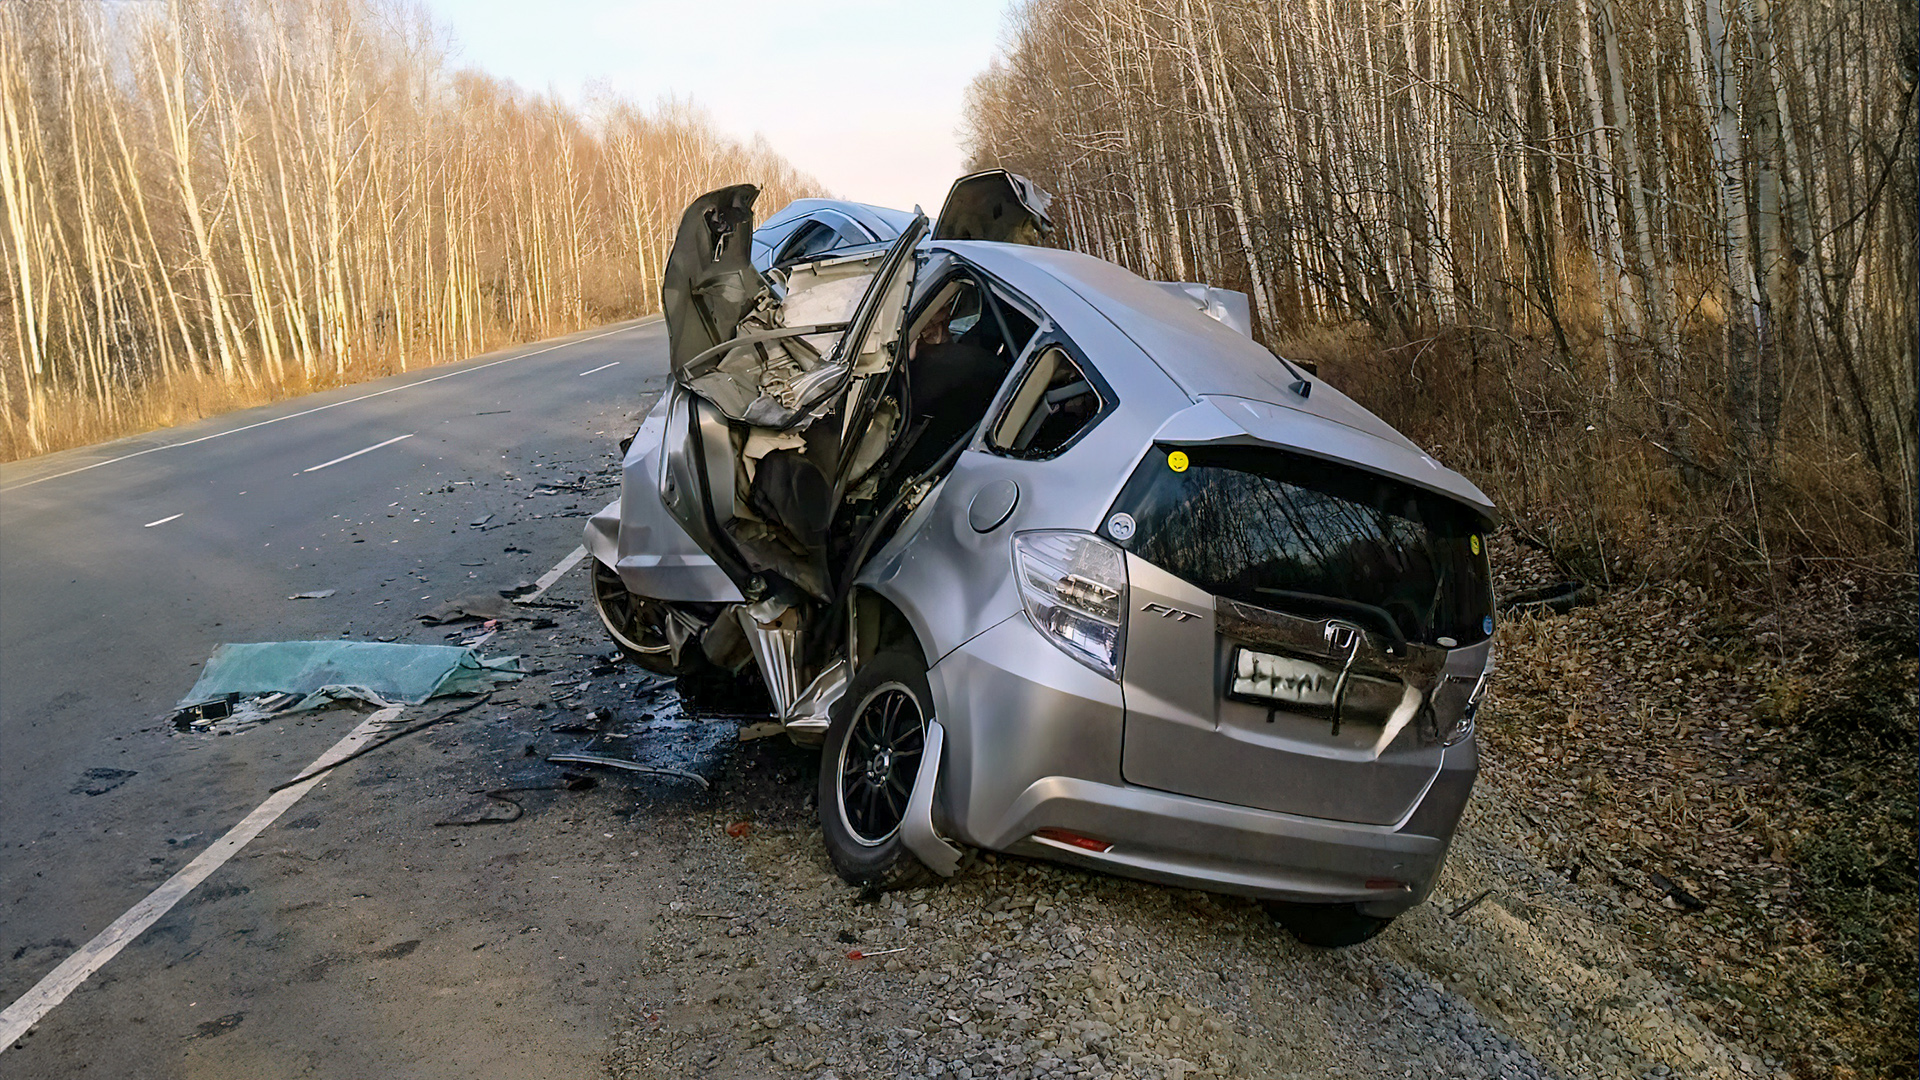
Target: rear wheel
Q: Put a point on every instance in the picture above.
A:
(1329, 926)
(867, 771)
(637, 624)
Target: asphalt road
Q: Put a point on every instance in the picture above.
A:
(123, 565)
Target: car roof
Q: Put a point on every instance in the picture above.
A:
(1243, 383)
(882, 221)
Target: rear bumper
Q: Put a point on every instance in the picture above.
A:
(1194, 843)
(1034, 743)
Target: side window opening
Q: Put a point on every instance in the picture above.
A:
(960, 346)
(812, 239)
(1053, 404)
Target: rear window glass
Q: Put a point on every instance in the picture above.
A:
(1292, 533)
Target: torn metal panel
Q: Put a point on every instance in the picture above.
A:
(809, 715)
(783, 355)
(776, 646)
(710, 283)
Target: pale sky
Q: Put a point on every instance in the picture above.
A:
(863, 94)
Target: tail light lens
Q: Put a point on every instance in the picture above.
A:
(1074, 586)
(1073, 839)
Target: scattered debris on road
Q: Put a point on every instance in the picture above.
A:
(101, 781)
(318, 594)
(477, 606)
(605, 762)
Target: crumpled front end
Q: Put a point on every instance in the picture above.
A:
(641, 541)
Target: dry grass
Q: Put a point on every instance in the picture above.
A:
(1736, 714)
(1621, 494)
(71, 418)
(1763, 761)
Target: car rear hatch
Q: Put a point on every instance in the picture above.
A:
(1302, 634)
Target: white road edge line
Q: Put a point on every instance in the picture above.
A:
(65, 979)
(164, 520)
(324, 408)
(357, 453)
(602, 367)
(548, 579)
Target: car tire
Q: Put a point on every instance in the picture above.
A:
(867, 769)
(1326, 926)
(635, 623)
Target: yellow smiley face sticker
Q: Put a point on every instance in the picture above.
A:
(1476, 544)
(1177, 461)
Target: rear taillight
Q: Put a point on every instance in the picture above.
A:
(1073, 839)
(1074, 586)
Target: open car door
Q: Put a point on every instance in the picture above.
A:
(995, 205)
(775, 397)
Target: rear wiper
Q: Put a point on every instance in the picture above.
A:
(1380, 617)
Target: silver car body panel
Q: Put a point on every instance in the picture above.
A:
(1223, 306)
(917, 829)
(1184, 736)
(636, 535)
(1008, 776)
(953, 582)
(1227, 420)
(809, 716)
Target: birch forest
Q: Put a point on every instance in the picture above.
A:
(212, 203)
(1643, 267)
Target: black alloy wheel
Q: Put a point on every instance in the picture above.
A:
(868, 767)
(636, 623)
(878, 763)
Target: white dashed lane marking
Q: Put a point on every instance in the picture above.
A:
(65, 979)
(602, 367)
(332, 405)
(357, 453)
(163, 520)
(559, 571)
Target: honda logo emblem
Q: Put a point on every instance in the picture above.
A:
(1340, 637)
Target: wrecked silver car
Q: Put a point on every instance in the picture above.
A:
(1056, 561)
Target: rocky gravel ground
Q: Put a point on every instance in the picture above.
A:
(768, 963)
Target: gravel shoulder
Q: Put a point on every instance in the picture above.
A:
(1019, 968)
